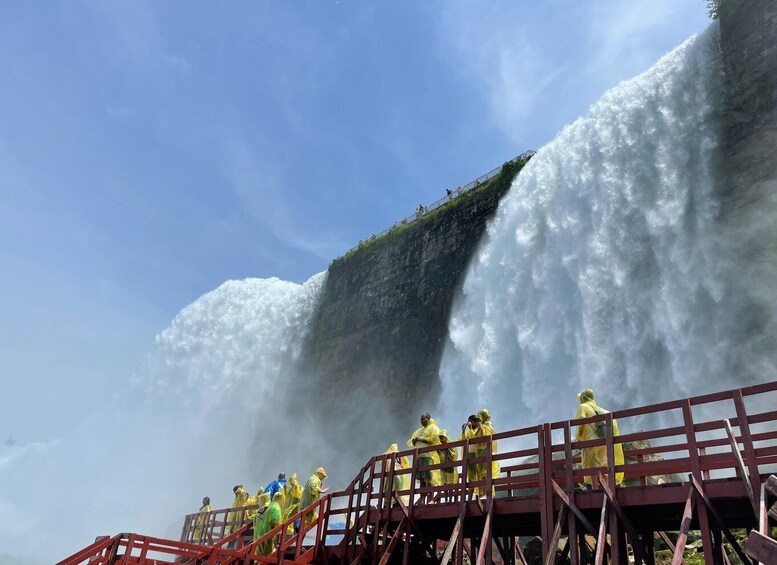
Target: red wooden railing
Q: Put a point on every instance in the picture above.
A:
(539, 466)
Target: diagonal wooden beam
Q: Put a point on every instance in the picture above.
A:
(550, 557)
(575, 510)
(502, 550)
(741, 469)
(446, 557)
(601, 539)
(761, 547)
(519, 552)
(393, 542)
(485, 542)
(639, 555)
(685, 525)
(717, 517)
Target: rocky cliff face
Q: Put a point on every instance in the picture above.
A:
(748, 161)
(378, 337)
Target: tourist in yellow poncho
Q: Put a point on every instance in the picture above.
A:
(427, 435)
(596, 456)
(476, 471)
(488, 426)
(266, 521)
(449, 476)
(260, 502)
(399, 482)
(312, 493)
(201, 519)
(235, 518)
(292, 493)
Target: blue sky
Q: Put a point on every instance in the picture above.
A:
(149, 151)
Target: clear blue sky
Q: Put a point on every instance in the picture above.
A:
(150, 150)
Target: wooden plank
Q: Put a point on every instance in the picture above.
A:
(393, 542)
(717, 517)
(519, 552)
(741, 470)
(638, 553)
(446, 557)
(761, 548)
(575, 510)
(690, 436)
(485, 544)
(685, 525)
(747, 443)
(773, 511)
(771, 485)
(763, 517)
(601, 539)
(550, 556)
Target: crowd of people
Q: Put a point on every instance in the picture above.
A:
(281, 499)
(268, 508)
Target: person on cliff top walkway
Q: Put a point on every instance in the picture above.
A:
(276, 485)
(596, 456)
(488, 425)
(476, 472)
(449, 476)
(426, 436)
(312, 493)
(202, 519)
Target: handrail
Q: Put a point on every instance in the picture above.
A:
(526, 477)
(422, 210)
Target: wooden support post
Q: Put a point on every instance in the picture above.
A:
(618, 553)
(574, 550)
(648, 547)
(446, 557)
(545, 444)
(741, 471)
(412, 504)
(693, 451)
(685, 525)
(393, 543)
(620, 515)
(502, 550)
(761, 548)
(747, 442)
(601, 539)
(484, 552)
(550, 557)
(575, 510)
(718, 519)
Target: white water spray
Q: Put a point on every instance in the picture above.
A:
(183, 429)
(604, 265)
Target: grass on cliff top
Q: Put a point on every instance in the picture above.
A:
(500, 182)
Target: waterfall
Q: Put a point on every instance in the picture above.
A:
(606, 266)
(183, 428)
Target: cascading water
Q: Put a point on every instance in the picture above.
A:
(184, 428)
(605, 265)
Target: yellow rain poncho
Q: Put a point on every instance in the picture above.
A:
(477, 471)
(266, 521)
(200, 520)
(292, 492)
(312, 493)
(399, 482)
(431, 434)
(448, 455)
(485, 417)
(235, 518)
(261, 499)
(596, 456)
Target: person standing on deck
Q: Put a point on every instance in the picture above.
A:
(202, 518)
(425, 436)
(449, 476)
(312, 493)
(596, 456)
(485, 418)
(476, 472)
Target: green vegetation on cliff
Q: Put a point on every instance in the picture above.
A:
(498, 185)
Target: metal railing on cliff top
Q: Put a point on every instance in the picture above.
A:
(422, 210)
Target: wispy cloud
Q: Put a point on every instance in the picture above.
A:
(260, 187)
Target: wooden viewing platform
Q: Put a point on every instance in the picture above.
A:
(703, 463)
